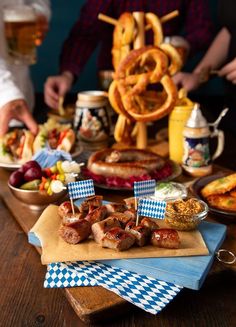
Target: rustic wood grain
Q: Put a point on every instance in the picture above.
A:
(24, 301)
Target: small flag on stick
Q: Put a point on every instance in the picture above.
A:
(143, 188)
(81, 189)
(152, 208)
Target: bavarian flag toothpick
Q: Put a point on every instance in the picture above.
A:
(141, 189)
(80, 189)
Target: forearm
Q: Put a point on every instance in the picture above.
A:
(8, 89)
(217, 53)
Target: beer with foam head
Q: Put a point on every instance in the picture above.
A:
(20, 33)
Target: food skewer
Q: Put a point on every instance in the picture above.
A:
(163, 19)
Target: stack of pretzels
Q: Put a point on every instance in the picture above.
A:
(139, 73)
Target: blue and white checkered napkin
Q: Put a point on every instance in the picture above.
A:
(48, 158)
(151, 208)
(144, 188)
(81, 189)
(147, 293)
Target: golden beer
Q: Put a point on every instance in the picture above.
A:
(20, 33)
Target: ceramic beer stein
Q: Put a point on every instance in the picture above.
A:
(91, 121)
(197, 160)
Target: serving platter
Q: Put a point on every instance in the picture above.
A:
(176, 171)
(203, 181)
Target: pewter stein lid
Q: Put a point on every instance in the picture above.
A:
(196, 118)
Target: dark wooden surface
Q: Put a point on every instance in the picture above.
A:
(24, 301)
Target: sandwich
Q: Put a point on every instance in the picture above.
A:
(16, 146)
(55, 136)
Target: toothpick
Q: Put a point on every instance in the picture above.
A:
(136, 208)
(72, 206)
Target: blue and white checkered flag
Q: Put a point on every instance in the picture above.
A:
(152, 208)
(144, 188)
(149, 294)
(81, 189)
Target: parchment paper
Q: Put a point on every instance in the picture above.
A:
(55, 249)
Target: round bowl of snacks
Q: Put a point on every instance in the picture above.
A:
(39, 187)
(185, 214)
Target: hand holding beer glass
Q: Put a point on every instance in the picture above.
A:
(24, 30)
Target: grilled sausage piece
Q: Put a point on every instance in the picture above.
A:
(116, 238)
(165, 238)
(75, 233)
(65, 208)
(70, 218)
(141, 233)
(96, 215)
(148, 222)
(100, 228)
(122, 217)
(93, 201)
(115, 207)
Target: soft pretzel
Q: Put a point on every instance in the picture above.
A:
(123, 36)
(153, 20)
(175, 59)
(147, 65)
(153, 111)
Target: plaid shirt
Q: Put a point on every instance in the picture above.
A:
(89, 32)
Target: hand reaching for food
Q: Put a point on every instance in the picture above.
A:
(56, 87)
(16, 109)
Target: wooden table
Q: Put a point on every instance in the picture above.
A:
(24, 301)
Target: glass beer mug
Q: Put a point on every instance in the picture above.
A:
(20, 33)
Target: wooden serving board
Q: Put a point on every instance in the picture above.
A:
(189, 272)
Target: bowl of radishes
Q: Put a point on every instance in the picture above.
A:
(39, 187)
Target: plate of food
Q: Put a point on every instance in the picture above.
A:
(19, 145)
(119, 169)
(219, 192)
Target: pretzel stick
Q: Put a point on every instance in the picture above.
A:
(163, 19)
(107, 19)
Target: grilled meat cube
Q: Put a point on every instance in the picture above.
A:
(130, 202)
(65, 208)
(116, 238)
(96, 215)
(122, 217)
(165, 238)
(93, 201)
(131, 213)
(140, 232)
(148, 222)
(101, 227)
(75, 233)
(115, 207)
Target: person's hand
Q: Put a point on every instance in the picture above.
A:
(55, 87)
(229, 71)
(16, 109)
(188, 81)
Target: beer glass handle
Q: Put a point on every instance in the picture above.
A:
(220, 143)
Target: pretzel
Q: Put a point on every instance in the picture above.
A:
(123, 36)
(147, 65)
(125, 32)
(175, 59)
(154, 22)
